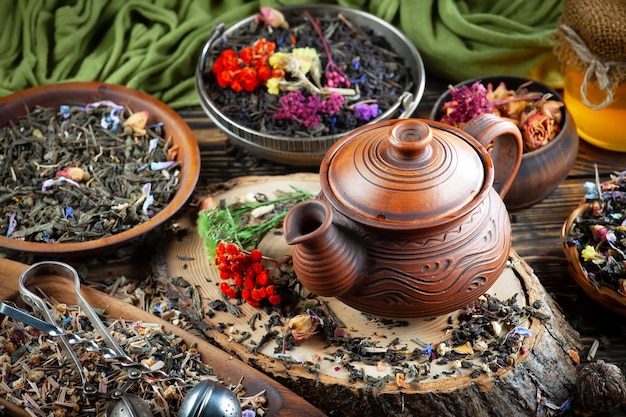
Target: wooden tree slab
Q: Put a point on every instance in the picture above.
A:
(543, 370)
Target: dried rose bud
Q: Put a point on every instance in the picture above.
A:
(74, 174)
(303, 326)
(137, 122)
(537, 130)
(272, 17)
(553, 108)
(506, 102)
(598, 231)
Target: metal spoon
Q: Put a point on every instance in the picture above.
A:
(208, 399)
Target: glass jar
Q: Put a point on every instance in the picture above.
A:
(604, 127)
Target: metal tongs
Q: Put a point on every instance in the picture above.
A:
(113, 351)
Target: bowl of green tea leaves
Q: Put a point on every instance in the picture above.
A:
(87, 166)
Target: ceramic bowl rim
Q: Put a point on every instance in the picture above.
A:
(189, 154)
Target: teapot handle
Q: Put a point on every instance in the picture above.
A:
(506, 152)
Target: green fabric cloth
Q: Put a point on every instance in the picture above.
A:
(154, 45)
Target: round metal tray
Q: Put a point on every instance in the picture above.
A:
(308, 151)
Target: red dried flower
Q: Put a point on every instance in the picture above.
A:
(256, 255)
(224, 78)
(264, 72)
(246, 71)
(247, 54)
(248, 78)
(274, 299)
(235, 85)
(244, 275)
(264, 47)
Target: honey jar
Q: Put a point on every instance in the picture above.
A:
(590, 47)
(603, 127)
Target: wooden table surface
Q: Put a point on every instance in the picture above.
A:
(536, 230)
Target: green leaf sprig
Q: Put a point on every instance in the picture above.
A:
(230, 222)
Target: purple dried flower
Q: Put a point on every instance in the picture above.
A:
(111, 120)
(153, 144)
(146, 190)
(65, 110)
(156, 166)
(57, 181)
(333, 104)
(12, 224)
(523, 331)
(365, 111)
(306, 110)
(465, 104)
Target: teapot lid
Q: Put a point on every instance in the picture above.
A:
(406, 174)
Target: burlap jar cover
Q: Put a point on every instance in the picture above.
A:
(591, 38)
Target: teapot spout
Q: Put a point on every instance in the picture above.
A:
(328, 260)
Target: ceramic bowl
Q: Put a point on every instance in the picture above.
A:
(16, 105)
(543, 169)
(305, 150)
(606, 296)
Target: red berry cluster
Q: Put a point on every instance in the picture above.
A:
(247, 70)
(244, 275)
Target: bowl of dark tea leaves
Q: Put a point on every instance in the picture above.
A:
(86, 167)
(287, 83)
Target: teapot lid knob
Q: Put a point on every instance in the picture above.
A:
(410, 138)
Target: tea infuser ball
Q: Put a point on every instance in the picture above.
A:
(208, 399)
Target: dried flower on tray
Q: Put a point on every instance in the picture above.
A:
(537, 116)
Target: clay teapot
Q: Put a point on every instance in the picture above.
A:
(410, 220)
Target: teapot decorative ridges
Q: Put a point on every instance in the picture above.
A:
(408, 222)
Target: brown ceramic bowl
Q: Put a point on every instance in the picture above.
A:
(15, 105)
(605, 296)
(541, 170)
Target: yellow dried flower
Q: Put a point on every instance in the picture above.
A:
(273, 86)
(400, 380)
(281, 60)
(588, 253)
(307, 58)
